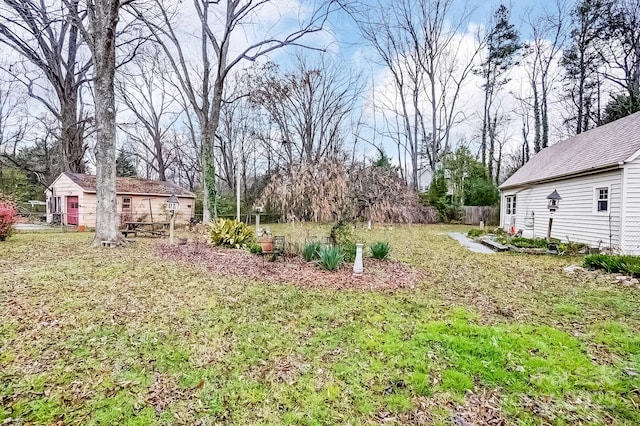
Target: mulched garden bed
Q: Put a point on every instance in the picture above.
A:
(378, 274)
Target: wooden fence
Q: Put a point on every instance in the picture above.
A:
(488, 214)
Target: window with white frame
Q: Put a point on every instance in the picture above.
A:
(511, 204)
(602, 199)
(126, 203)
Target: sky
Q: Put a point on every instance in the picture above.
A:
(344, 44)
(350, 48)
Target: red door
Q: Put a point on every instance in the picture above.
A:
(72, 210)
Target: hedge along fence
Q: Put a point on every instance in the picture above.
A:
(473, 215)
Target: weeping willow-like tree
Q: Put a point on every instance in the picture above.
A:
(333, 189)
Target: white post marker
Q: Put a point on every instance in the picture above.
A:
(172, 205)
(358, 267)
(171, 223)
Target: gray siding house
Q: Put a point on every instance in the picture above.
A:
(597, 174)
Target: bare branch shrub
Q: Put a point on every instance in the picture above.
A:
(332, 190)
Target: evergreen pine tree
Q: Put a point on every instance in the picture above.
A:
(124, 166)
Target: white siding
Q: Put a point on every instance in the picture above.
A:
(577, 218)
(631, 223)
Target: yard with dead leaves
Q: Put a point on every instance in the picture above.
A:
(381, 275)
(156, 334)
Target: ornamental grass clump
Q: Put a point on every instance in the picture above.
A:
(380, 250)
(7, 219)
(331, 258)
(231, 233)
(311, 252)
(613, 263)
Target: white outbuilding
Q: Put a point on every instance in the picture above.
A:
(596, 174)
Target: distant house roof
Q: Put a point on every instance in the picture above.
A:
(126, 185)
(600, 148)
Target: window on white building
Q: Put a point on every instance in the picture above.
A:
(511, 204)
(602, 199)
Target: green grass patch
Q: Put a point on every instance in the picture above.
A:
(111, 337)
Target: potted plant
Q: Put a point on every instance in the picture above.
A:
(266, 241)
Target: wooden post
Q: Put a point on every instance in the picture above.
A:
(171, 221)
(257, 222)
(549, 228)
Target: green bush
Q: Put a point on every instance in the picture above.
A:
(528, 242)
(231, 233)
(349, 249)
(342, 236)
(311, 251)
(612, 263)
(380, 250)
(331, 258)
(572, 248)
(255, 248)
(475, 232)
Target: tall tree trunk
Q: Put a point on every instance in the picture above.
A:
(492, 139)
(162, 168)
(71, 135)
(545, 117)
(537, 125)
(103, 22)
(485, 122)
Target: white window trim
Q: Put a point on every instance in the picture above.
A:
(508, 202)
(130, 203)
(596, 196)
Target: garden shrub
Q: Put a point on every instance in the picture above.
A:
(523, 242)
(311, 251)
(349, 249)
(342, 236)
(331, 257)
(380, 250)
(231, 233)
(572, 248)
(255, 248)
(7, 219)
(613, 263)
(475, 232)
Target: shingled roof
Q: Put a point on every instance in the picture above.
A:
(597, 149)
(126, 185)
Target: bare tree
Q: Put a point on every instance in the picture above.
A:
(541, 53)
(99, 32)
(623, 55)
(46, 38)
(143, 88)
(310, 106)
(420, 44)
(219, 21)
(12, 119)
(582, 61)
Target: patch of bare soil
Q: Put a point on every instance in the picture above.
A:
(378, 274)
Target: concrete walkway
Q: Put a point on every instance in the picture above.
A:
(31, 227)
(470, 244)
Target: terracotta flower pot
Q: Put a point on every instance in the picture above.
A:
(267, 245)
